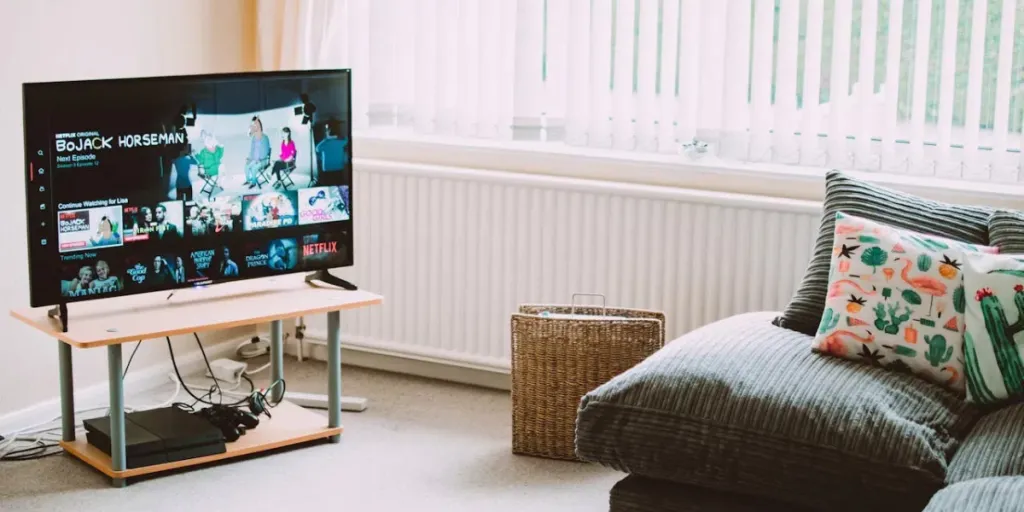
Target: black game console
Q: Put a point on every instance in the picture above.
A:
(159, 435)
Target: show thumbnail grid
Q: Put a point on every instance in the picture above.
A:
(154, 270)
(95, 273)
(173, 221)
(219, 216)
(276, 256)
(323, 204)
(89, 228)
(269, 210)
(87, 273)
(149, 235)
(248, 259)
(162, 221)
(210, 263)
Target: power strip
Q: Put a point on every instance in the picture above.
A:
(317, 401)
(226, 370)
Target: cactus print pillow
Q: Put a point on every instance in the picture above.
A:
(896, 300)
(995, 328)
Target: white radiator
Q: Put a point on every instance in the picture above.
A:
(455, 251)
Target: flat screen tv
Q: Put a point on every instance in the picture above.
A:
(149, 184)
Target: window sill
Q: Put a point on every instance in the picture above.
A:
(706, 173)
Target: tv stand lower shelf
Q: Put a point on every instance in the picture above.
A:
(290, 425)
(111, 322)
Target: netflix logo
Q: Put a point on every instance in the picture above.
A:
(323, 250)
(314, 249)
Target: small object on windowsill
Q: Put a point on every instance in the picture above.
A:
(694, 149)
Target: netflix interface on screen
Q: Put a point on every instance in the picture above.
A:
(148, 184)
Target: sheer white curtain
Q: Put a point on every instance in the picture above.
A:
(920, 87)
(317, 34)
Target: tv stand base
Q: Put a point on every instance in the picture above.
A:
(326, 277)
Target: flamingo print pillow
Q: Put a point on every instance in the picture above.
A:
(896, 300)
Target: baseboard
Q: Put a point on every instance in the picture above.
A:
(356, 353)
(97, 395)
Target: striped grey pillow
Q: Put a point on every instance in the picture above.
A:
(1006, 231)
(898, 209)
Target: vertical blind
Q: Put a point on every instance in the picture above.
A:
(920, 87)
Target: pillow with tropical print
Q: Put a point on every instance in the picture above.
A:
(896, 300)
(995, 327)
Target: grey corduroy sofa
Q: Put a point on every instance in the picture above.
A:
(740, 415)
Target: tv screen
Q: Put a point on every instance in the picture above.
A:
(141, 185)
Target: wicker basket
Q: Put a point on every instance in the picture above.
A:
(557, 358)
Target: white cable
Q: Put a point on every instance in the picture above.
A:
(257, 370)
(226, 392)
(32, 428)
(8, 443)
(165, 403)
(38, 430)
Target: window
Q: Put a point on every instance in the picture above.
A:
(918, 87)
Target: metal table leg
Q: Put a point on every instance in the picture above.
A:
(117, 449)
(67, 392)
(334, 372)
(276, 358)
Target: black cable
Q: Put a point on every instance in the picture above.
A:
(129, 365)
(216, 381)
(270, 388)
(38, 451)
(35, 456)
(182, 381)
(208, 395)
(263, 395)
(30, 450)
(247, 379)
(13, 454)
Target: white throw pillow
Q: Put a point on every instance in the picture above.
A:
(995, 327)
(896, 300)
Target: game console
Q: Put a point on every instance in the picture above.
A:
(160, 435)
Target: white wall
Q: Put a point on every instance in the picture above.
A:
(47, 40)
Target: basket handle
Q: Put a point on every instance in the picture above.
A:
(604, 302)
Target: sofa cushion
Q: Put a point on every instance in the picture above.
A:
(855, 197)
(893, 300)
(1006, 231)
(994, 290)
(742, 406)
(994, 447)
(1001, 494)
(639, 494)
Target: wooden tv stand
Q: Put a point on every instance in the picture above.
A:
(111, 322)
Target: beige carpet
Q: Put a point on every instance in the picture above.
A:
(423, 445)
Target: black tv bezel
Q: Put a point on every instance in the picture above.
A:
(35, 301)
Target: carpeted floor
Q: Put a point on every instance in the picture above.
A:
(422, 445)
